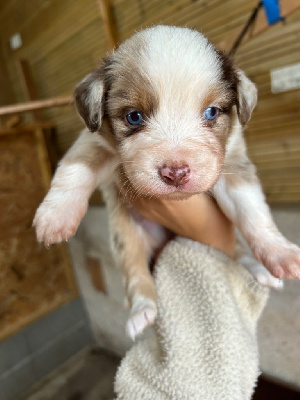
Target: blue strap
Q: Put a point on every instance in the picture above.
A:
(272, 10)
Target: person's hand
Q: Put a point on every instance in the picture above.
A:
(198, 218)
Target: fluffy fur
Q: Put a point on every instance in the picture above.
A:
(171, 75)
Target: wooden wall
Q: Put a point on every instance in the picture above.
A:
(63, 40)
(33, 280)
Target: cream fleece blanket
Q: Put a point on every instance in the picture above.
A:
(205, 345)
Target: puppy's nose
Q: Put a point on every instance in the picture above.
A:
(176, 176)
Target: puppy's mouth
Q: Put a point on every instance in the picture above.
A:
(162, 188)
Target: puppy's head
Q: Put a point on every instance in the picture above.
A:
(172, 101)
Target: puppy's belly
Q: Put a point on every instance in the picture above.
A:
(155, 235)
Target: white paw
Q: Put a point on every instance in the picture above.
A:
(280, 257)
(265, 278)
(260, 273)
(58, 217)
(143, 314)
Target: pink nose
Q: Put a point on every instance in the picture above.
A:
(176, 176)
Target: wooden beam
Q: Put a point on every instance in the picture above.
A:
(28, 85)
(107, 16)
(36, 105)
(287, 7)
(26, 80)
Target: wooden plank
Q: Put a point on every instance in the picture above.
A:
(6, 92)
(26, 80)
(36, 105)
(283, 198)
(279, 146)
(43, 156)
(263, 135)
(280, 188)
(275, 165)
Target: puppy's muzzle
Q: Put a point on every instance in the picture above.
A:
(174, 175)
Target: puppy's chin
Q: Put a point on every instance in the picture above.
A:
(177, 196)
(167, 192)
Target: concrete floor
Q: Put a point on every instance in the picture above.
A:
(89, 375)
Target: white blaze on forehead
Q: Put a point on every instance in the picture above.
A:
(175, 60)
(179, 61)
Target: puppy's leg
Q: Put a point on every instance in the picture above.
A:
(243, 255)
(85, 166)
(241, 198)
(131, 252)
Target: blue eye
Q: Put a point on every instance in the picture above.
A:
(211, 113)
(134, 118)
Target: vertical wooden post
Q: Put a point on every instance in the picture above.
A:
(109, 23)
(28, 85)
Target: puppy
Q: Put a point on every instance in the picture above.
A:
(165, 112)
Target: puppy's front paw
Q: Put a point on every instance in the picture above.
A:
(281, 258)
(142, 314)
(58, 217)
(265, 278)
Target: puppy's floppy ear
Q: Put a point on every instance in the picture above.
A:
(246, 97)
(89, 98)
